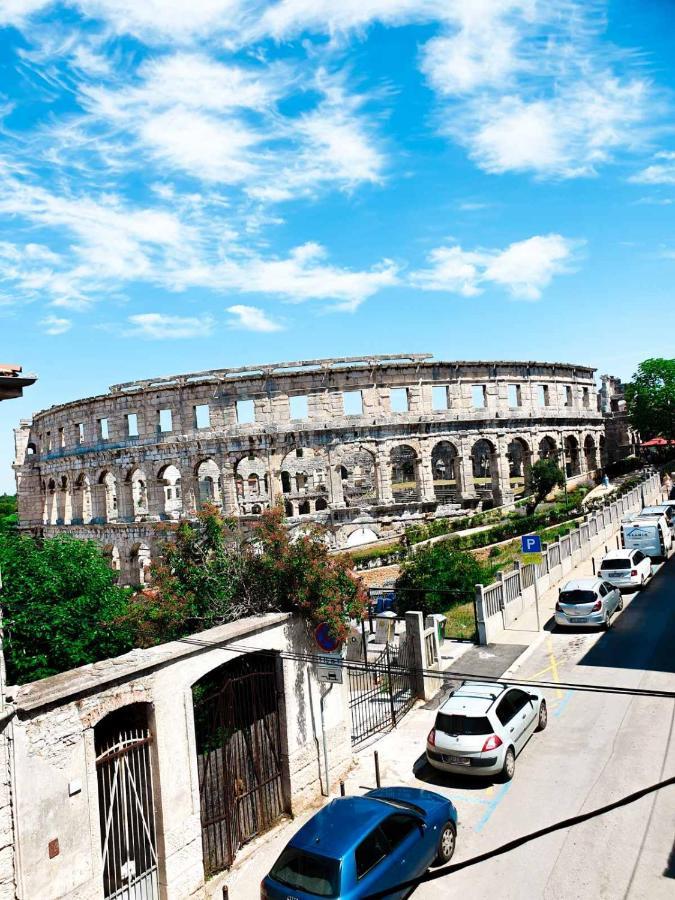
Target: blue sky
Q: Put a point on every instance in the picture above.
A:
(222, 182)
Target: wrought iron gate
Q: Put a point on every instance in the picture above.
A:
(126, 810)
(238, 756)
(380, 693)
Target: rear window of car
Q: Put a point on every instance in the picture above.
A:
(577, 596)
(316, 875)
(616, 563)
(452, 724)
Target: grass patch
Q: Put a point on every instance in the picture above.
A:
(461, 624)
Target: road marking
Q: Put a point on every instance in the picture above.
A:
(491, 807)
(552, 667)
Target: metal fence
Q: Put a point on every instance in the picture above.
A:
(380, 692)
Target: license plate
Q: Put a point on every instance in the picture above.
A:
(456, 760)
(579, 620)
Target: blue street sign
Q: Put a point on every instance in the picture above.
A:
(530, 543)
(325, 639)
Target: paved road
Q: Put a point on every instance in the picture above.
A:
(597, 748)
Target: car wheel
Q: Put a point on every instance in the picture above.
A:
(619, 605)
(608, 622)
(446, 845)
(509, 767)
(542, 721)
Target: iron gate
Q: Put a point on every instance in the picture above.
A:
(380, 693)
(126, 810)
(238, 756)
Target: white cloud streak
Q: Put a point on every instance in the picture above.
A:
(660, 172)
(524, 268)
(55, 325)
(251, 318)
(161, 327)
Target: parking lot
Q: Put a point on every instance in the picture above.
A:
(597, 748)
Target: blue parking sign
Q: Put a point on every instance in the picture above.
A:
(530, 543)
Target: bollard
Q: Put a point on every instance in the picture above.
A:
(618, 545)
(342, 789)
(226, 892)
(593, 563)
(377, 769)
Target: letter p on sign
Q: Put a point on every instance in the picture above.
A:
(530, 543)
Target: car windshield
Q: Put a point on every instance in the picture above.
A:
(463, 724)
(316, 875)
(624, 563)
(577, 596)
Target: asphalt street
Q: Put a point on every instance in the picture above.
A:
(597, 748)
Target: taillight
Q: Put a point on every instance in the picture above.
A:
(431, 737)
(263, 892)
(597, 606)
(492, 743)
(633, 573)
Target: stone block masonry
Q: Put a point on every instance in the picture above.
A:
(361, 445)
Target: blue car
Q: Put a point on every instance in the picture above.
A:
(356, 846)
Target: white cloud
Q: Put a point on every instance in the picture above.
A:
(160, 327)
(524, 268)
(662, 172)
(17, 12)
(251, 318)
(55, 325)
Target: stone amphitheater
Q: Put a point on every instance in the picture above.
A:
(361, 445)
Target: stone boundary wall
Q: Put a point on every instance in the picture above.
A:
(498, 605)
(362, 446)
(52, 756)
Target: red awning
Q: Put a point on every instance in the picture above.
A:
(657, 442)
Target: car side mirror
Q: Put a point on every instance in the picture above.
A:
(533, 697)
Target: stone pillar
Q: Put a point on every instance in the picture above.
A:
(466, 490)
(125, 499)
(501, 478)
(425, 475)
(188, 491)
(228, 492)
(156, 496)
(337, 497)
(98, 503)
(383, 477)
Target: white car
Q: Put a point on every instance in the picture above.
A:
(626, 568)
(482, 727)
(667, 508)
(588, 602)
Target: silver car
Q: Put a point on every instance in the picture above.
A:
(482, 727)
(588, 602)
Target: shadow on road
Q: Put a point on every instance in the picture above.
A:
(426, 773)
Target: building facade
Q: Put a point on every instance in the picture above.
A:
(362, 445)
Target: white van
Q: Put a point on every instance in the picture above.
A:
(650, 535)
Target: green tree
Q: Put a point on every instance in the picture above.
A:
(545, 474)
(435, 578)
(60, 606)
(212, 573)
(650, 398)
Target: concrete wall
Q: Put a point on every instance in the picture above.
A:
(52, 754)
(498, 605)
(330, 465)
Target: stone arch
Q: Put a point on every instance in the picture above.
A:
(288, 509)
(82, 501)
(171, 495)
(304, 509)
(256, 509)
(140, 560)
(251, 483)
(31, 449)
(112, 554)
(321, 504)
(360, 536)
(105, 497)
(305, 476)
(357, 471)
(208, 481)
(444, 457)
(405, 484)
(548, 448)
(138, 486)
(572, 456)
(590, 453)
(519, 456)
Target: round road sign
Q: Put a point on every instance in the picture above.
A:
(325, 639)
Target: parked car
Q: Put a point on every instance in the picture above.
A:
(482, 727)
(588, 602)
(355, 846)
(667, 508)
(651, 534)
(626, 568)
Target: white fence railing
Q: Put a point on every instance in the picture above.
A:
(498, 605)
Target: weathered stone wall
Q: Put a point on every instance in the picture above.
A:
(361, 445)
(53, 758)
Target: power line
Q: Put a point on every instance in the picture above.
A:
(357, 666)
(525, 839)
